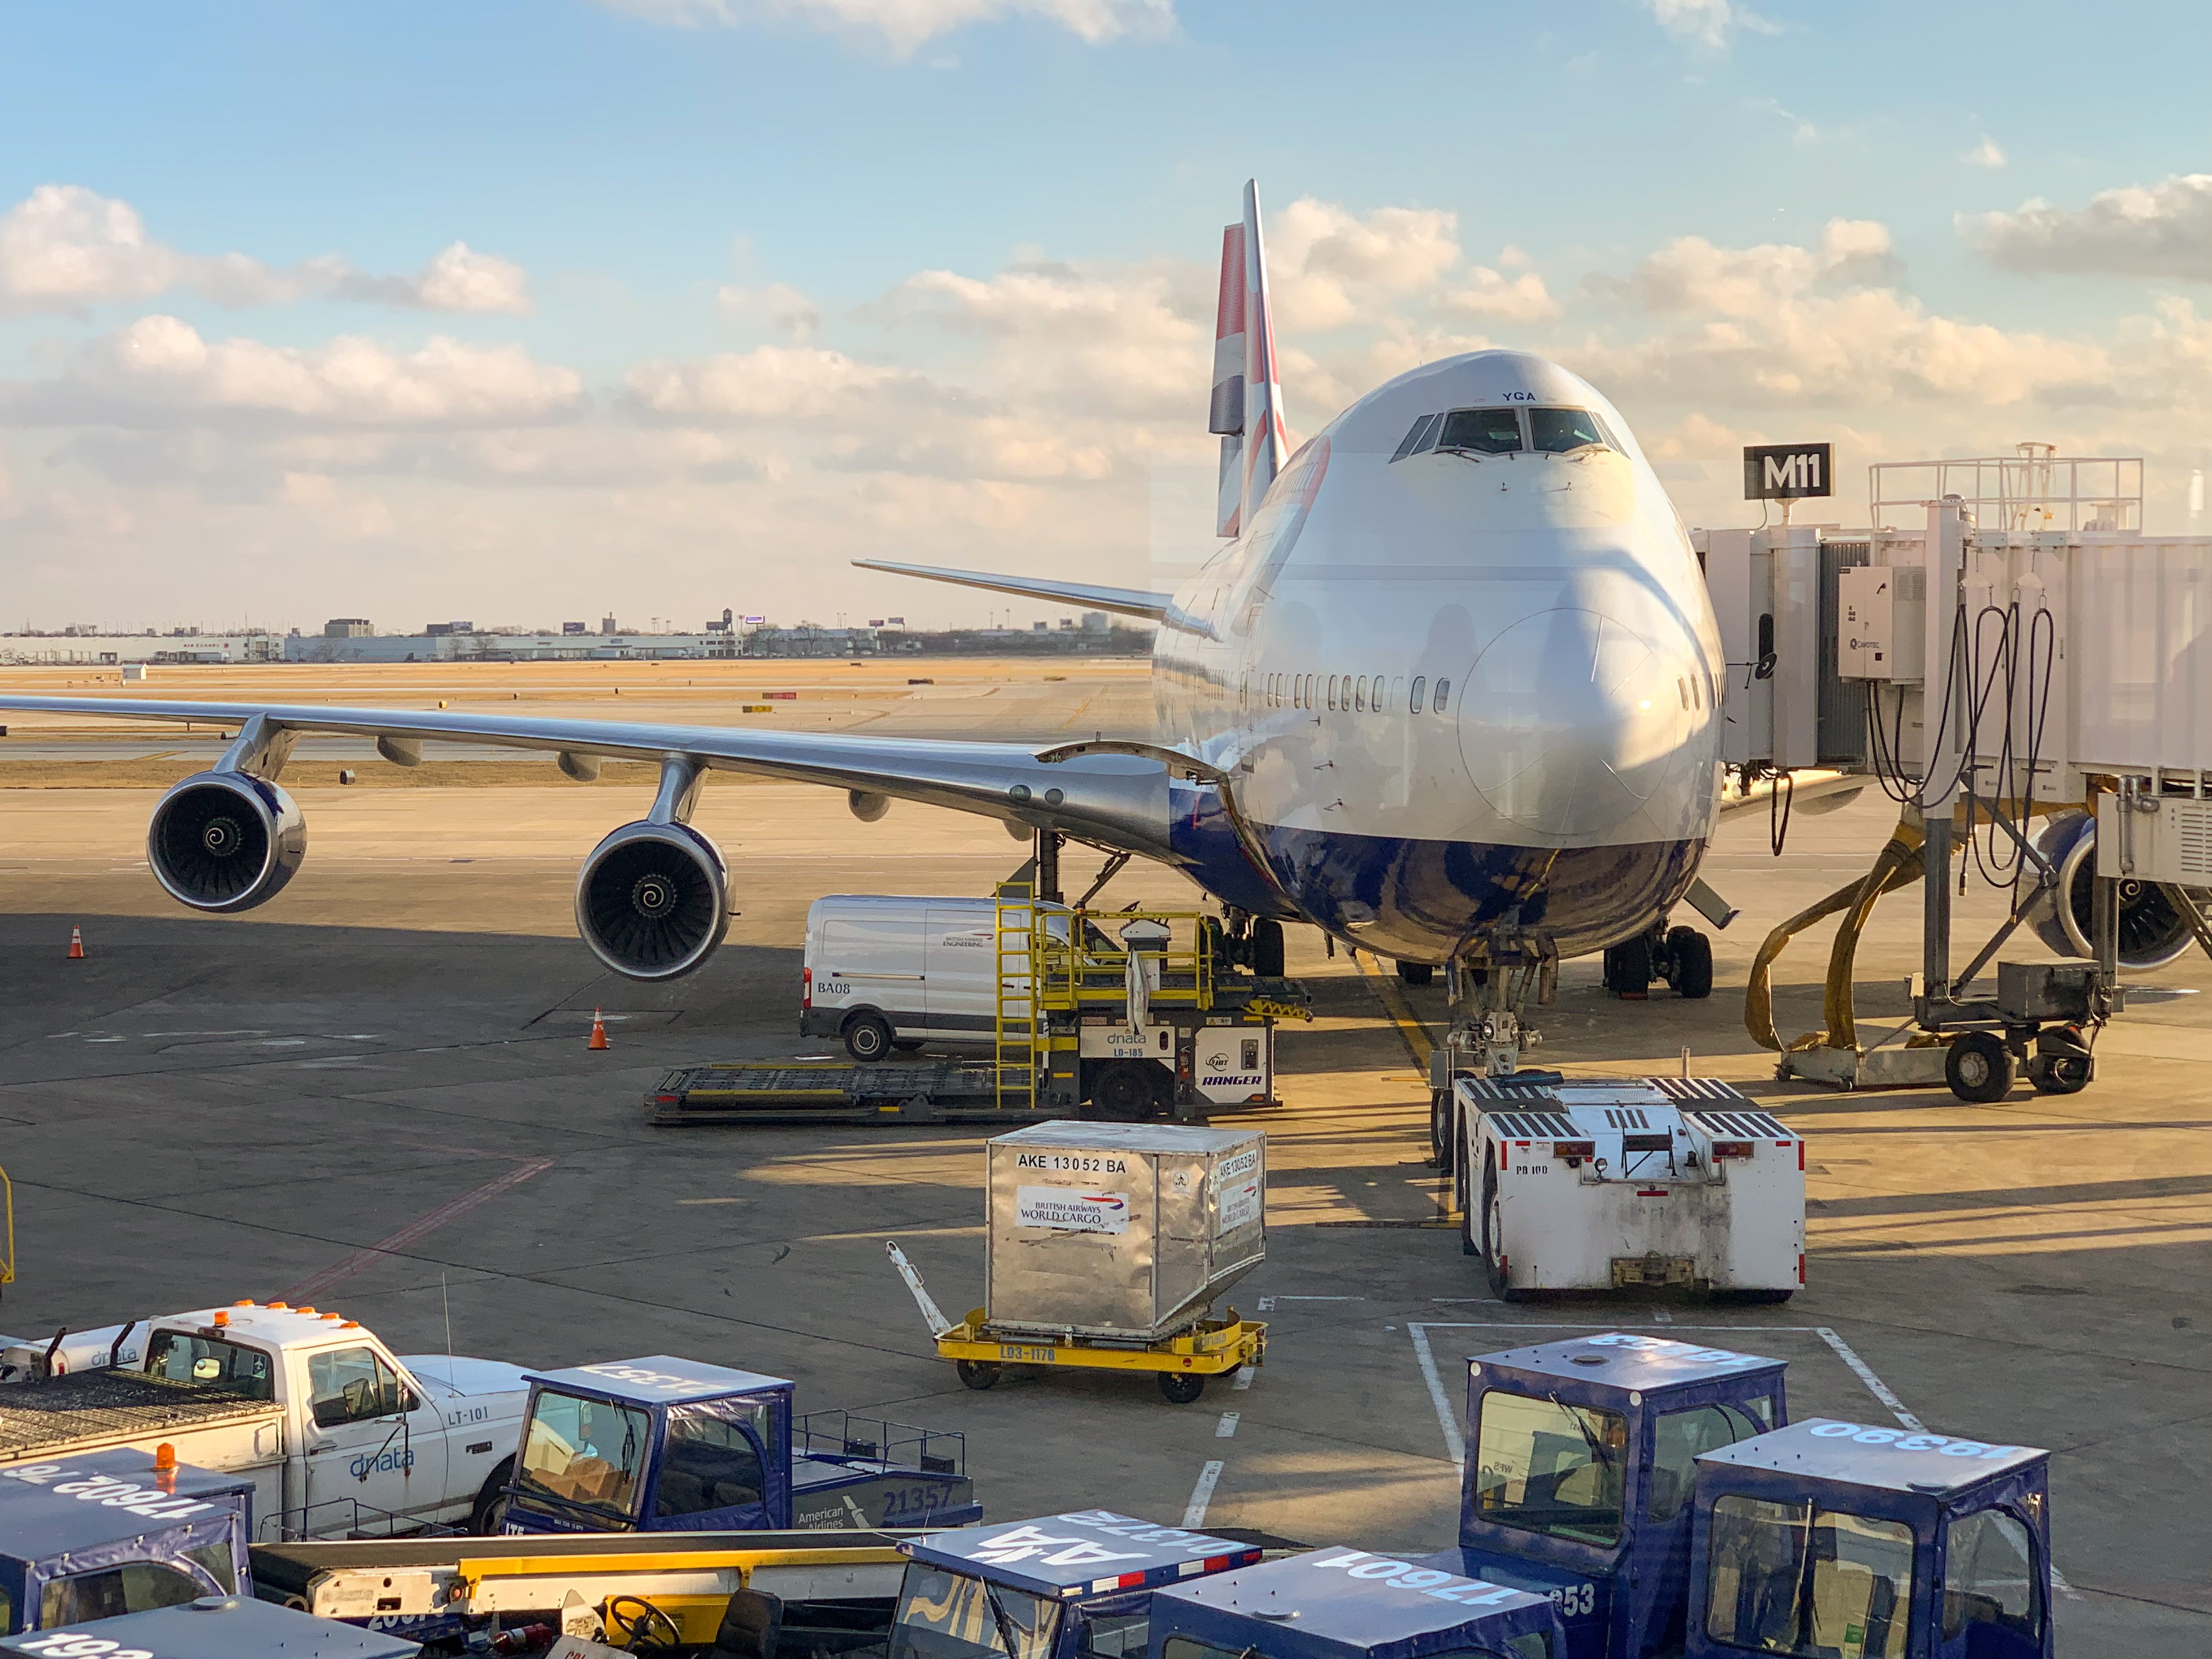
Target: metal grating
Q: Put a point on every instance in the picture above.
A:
(112, 1405)
(2192, 827)
(1751, 1125)
(1531, 1126)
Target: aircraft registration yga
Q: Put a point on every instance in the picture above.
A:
(1449, 691)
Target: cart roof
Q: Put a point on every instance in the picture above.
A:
(1082, 1552)
(1332, 1602)
(1128, 1137)
(1623, 1359)
(1863, 1455)
(657, 1379)
(225, 1627)
(103, 1497)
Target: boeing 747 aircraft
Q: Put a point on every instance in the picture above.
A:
(1450, 691)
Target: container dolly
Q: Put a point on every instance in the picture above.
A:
(1181, 1364)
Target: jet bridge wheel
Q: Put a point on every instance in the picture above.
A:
(2058, 1075)
(1979, 1068)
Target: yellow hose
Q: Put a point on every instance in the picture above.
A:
(1898, 865)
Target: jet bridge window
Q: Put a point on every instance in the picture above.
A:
(1482, 431)
(1794, 1578)
(1561, 431)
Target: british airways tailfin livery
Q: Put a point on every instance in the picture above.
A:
(1448, 691)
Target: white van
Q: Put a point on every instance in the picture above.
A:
(887, 972)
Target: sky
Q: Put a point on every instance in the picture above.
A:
(529, 311)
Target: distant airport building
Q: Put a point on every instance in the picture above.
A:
(348, 628)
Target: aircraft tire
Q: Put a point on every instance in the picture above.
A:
(1266, 948)
(1628, 968)
(1693, 955)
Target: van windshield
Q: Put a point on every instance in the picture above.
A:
(584, 1451)
(951, 1615)
(1547, 1467)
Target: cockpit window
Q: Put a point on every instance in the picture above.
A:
(1482, 431)
(1423, 436)
(1558, 431)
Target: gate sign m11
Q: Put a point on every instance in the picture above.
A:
(1787, 472)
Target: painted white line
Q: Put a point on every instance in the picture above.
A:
(1226, 1428)
(1875, 1386)
(1661, 1314)
(1193, 1513)
(1447, 1417)
(1245, 1376)
(1266, 1304)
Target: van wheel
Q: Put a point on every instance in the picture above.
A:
(867, 1037)
(490, 1514)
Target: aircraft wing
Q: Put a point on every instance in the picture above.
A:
(1124, 601)
(1116, 799)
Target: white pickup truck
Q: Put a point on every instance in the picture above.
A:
(338, 1434)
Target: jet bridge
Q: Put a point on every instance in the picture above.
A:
(2028, 677)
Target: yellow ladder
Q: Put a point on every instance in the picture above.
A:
(7, 1197)
(1015, 1034)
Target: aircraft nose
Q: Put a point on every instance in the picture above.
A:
(1572, 720)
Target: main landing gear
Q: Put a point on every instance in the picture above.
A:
(1682, 956)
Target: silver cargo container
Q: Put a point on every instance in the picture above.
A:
(1121, 1229)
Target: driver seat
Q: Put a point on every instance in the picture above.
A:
(751, 1626)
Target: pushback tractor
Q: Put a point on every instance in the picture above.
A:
(1632, 1183)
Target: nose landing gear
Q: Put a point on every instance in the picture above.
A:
(1682, 956)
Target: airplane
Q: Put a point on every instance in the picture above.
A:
(1450, 691)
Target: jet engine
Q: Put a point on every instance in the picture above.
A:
(2152, 933)
(653, 901)
(225, 840)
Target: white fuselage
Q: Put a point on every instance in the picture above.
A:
(1560, 771)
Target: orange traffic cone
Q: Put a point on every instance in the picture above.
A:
(598, 1031)
(77, 944)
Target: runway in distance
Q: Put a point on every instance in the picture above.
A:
(1450, 691)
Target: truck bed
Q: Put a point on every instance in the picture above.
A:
(40, 1419)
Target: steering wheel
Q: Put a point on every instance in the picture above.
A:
(647, 1630)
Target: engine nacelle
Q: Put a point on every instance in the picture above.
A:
(225, 841)
(653, 901)
(2152, 932)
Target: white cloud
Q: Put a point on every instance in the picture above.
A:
(1329, 266)
(1691, 273)
(1984, 155)
(1521, 299)
(769, 383)
(160, 371)
(782, 306)
(2159, 230)
(66, 249)
(1706, 23)
(904, 24)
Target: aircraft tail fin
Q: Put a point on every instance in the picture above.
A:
(1247, 409)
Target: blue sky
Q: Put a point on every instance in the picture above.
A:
(749, 287)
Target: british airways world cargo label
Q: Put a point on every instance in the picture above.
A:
(1236, 1185)
(1071, 1209)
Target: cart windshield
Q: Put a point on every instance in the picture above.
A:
(1547, 1467)
(1795, 1578)
(583, 1451)
(950, 1615)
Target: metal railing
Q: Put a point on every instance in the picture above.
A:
(878, 1440)
(2033, 490)
(348, 1518)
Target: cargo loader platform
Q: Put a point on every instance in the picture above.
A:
(768, 1092)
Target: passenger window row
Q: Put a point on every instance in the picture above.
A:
(1354, 693)
(1500, 432)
